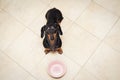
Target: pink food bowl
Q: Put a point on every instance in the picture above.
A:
(56, 69)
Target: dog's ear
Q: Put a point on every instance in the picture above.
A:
(43, 31)
(59, 29)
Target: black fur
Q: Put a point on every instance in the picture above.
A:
(52, 29)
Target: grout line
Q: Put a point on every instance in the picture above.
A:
(88, 31)
(112, 47)
(93, 53)
(14, 18)
(19, 65)
(4, 5)
(15, 38)
(111, 28)
(84, 28)
(72, 60)
(80, 66)
(33, 31)
(21, 23)
(108, 34)
(47, 5)
(83, 11)
(25, 27)
(18, 34)
(99, 44)
(51, 2)
(79, 14)
(110, 11)
(87, 72)
(38, 15)
(22, 66)
(77, 74)
(92, 74)
(90, 57)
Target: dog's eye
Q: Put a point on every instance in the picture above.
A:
(47, 31)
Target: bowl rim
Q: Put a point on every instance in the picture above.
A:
(61, 64)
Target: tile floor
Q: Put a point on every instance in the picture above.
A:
(91, 40)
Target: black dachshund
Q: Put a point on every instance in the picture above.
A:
(52, 30)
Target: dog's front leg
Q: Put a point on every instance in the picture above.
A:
(59, 50)
(47, 50)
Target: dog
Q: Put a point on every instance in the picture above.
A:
(52, 31)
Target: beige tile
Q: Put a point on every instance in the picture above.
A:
(105, 64)
(47, 1)
(97, 20)
(4, 3)
(0, 6)
(41, 21)
(25, 10)
(10, 70)
(79, 44)
(66, 25)
(30, 78)
(9, 29)
(26, 50)
(113, 37)
(85, 75)
(41, 70)
(112, 5)
(72, 8)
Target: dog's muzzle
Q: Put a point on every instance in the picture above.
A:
(51, 37)
(52, 41)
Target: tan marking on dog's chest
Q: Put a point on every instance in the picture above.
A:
(52, 42)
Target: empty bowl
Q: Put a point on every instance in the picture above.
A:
(56, 69)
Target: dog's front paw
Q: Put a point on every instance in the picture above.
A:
(59, 50)
(47, 51)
